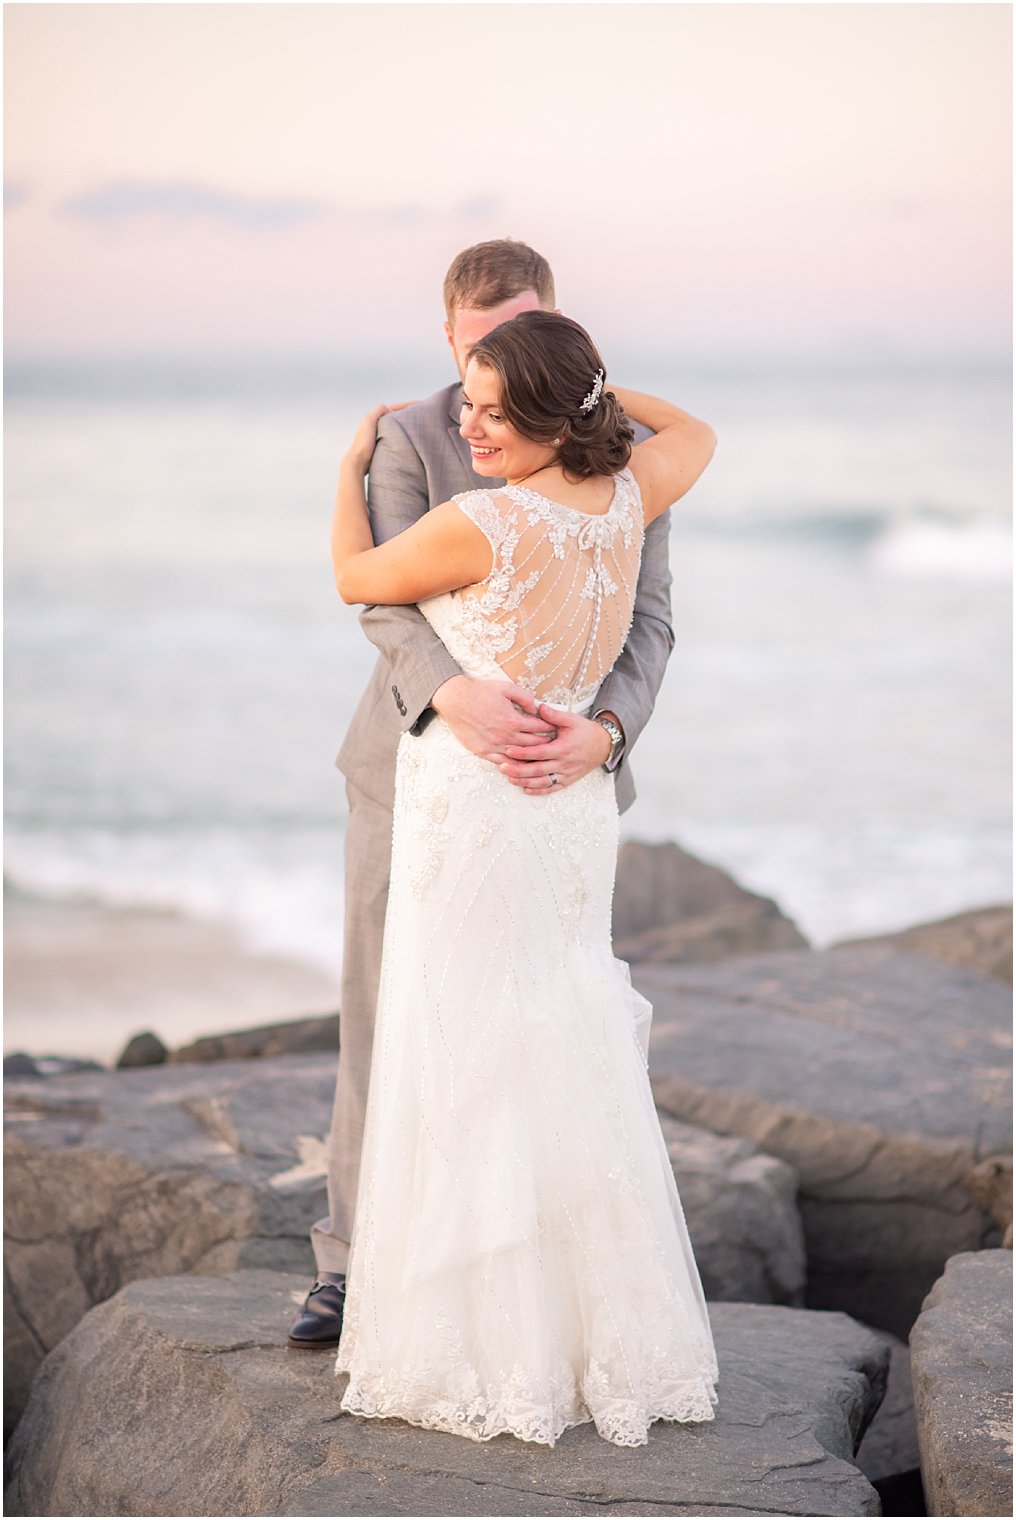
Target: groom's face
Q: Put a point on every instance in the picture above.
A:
(471, 323)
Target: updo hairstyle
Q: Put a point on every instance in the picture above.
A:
(546, 366)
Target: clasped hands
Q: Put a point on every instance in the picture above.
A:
(529, 741)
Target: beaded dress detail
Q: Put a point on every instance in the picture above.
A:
(520, 1260)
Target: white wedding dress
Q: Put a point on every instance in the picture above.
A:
(520, 1260)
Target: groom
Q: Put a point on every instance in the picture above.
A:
(420, 460)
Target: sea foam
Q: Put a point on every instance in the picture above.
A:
(923, 547)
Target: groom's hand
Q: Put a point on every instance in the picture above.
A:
(489, 716)
(581, 745)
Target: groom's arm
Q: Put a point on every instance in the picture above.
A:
(397, 498)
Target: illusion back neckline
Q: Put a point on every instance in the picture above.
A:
(551, 501)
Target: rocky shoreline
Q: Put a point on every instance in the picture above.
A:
(839, 1123)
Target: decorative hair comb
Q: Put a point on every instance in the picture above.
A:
(590, 401)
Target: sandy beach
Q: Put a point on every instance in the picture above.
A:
(80, 980)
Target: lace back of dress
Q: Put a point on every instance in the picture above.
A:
(556, 608)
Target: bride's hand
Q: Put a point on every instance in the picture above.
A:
(361, 449)
(579, 746)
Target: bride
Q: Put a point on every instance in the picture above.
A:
(520, 1260)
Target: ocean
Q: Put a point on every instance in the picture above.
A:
(834, 726)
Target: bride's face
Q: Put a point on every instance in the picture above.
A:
(497, 450)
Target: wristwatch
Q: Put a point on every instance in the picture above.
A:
(615, 735)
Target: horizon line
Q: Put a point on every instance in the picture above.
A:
(718, 356)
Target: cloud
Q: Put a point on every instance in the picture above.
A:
(186, 201)
(15, 194)
(475, 208)
(124, 200)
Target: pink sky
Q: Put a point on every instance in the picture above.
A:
(731, 178)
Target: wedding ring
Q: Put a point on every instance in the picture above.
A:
(553, 779)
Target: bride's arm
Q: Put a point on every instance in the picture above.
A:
(668, 464)
(441, 552)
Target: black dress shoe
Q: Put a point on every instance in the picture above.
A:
(319, 1325)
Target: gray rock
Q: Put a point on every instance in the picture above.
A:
(671, 907)
(742, 1216)
(738, 930)
(290, 1037)
(20, 1064)
(883, 1077)
(178, 1397)
(157, 1171)
(889, 1451)
(143, 1050)
(961, 1352)
(980, 940)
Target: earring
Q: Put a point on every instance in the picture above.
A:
(556, 442)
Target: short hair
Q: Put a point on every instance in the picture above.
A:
(548, 370)
(489, 273)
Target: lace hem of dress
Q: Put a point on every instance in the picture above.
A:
(623, 1422)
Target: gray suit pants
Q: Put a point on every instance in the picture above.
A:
(368, 870)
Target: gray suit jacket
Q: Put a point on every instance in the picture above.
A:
(420, 461)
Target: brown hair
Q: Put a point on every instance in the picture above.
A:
(546, 366)
(489, 273)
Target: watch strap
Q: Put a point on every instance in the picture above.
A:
(616, 736)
